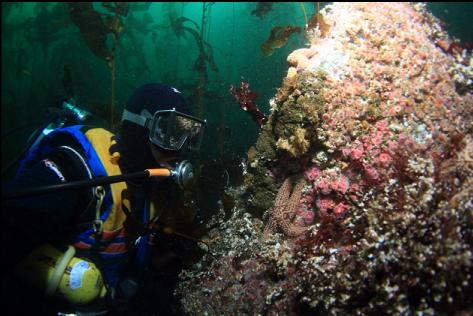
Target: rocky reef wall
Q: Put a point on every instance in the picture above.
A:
(358, 196)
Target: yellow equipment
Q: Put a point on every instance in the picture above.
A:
(57, 273)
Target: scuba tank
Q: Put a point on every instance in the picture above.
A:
(57, 273)
(68, 114)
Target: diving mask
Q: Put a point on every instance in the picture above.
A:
(170, 129)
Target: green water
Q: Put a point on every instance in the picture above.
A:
(39, 40)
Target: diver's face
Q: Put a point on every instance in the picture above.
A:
(162, 157)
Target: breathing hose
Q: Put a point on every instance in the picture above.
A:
(182, 174)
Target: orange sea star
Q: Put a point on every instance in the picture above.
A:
(284, 210)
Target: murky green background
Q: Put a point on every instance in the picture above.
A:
(40, 41)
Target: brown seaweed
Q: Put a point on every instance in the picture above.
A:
(95, 28)
(119, 8)
(278, 38)
(67, 81)
(47, 27)
(318, 20)
(262, 8)
(205, 50)
(141, 25)
(114, 24)
(92, 28)
(177, 24)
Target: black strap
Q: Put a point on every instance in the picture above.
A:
(74, 169)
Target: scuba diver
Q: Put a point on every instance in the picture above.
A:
(87, 245)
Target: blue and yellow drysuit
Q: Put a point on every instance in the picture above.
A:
(92, 148)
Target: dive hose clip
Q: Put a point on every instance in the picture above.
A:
(98, 223)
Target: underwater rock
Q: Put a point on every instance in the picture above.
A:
(300, 57)
(385, 218)
(297, 145)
